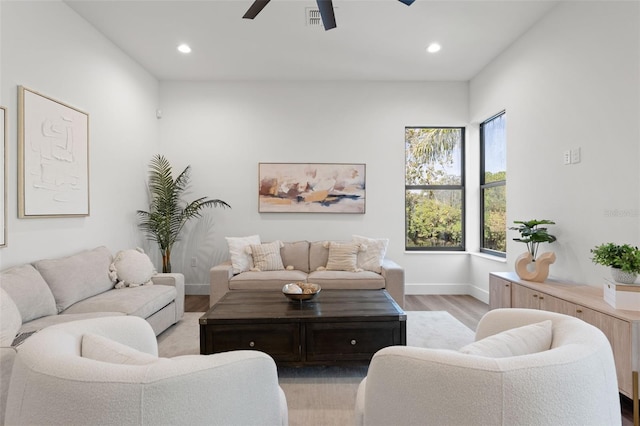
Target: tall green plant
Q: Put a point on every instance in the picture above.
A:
(168, 212)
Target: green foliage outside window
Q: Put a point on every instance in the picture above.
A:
(434, 188)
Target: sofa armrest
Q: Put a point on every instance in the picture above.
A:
(177, 281)
(219, 281)
(394, 280)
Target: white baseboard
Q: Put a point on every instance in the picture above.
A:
(478, 293)
(196, 289)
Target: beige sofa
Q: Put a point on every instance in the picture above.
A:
(53, 291)
(305, 261)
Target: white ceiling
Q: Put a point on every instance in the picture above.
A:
(374, 40)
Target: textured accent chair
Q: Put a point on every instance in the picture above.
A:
(107, 371)
(573, 382)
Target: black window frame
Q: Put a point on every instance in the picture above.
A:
(484, 185)
(460, 187)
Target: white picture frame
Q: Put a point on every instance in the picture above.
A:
(53, 157)
(3, 175)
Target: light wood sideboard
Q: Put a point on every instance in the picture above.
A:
(622, 327)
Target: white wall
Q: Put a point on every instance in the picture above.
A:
(224, 129)
(47, 47)
(572, 81)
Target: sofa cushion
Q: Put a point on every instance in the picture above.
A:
(364, 280)
(44, 322)
(296, 255)
(10, 319)
(29, 291)
(267, 280)
(372, 257)
(518, 341)
(318, 255)
(343, 256)
(266, 257)
(240, 259)
(100, 348)
(138, 301)
(77, 277)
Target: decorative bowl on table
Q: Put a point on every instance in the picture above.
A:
(300, 291)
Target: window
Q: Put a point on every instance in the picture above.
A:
(434, 188)
(493, 184)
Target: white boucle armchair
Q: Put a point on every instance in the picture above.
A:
(572, 383)
(52, 382)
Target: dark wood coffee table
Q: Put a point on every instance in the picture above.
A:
(338, 326)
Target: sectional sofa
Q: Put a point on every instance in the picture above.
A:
(36, 295)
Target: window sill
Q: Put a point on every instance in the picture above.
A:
(497, 259)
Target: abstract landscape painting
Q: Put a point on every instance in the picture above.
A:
(311, 188)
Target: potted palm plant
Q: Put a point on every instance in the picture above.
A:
(532, 234)
(623, 259)
(168, 212)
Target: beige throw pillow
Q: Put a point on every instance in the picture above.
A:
(343, 257)
(100, 348)
(371, 259)
(518, 341)
(266, 257)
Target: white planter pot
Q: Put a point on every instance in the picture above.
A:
(623, 277)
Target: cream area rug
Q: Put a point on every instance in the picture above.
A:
(325, 396)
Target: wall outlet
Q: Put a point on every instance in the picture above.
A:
(194, 262)
(566, 158)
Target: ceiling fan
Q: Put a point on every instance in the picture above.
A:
(325, 7)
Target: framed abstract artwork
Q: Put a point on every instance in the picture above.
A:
(53, 157)
(311, 188)
(3, 175)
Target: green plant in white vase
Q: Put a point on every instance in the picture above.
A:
(168, 212)
(623, 259)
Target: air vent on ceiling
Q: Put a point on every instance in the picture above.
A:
(313, 17)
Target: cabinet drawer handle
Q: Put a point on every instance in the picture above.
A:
(353, 342)
(506, 285)
(252, 344)
(535, 295)
(541, 297)
(579, 311)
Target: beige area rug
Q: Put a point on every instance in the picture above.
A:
(325, 396)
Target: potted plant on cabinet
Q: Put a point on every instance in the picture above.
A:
(168, 213)
(623, 259)
(532, 234)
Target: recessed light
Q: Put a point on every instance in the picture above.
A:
(433, 48)
(184, 48)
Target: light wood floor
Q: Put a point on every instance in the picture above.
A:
(467, 309)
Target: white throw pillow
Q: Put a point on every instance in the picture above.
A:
(266, 257)
(528, 339)
(10, 319)
(100, 348)
(371, 258)
(240, 259)
(131, 268)
(343, 257)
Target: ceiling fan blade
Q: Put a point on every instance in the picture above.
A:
(407, 2)
(255, 8)
(327, 14)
